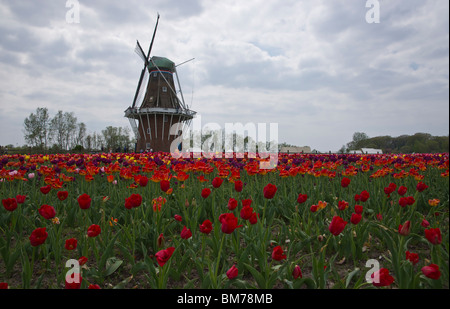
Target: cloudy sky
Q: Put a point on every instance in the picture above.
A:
(315, 67)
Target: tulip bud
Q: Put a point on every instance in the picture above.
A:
(405, 228)
(160, 242)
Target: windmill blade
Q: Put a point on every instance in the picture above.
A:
(153, 38)
(138, 50)
(184, 62)
(144, 72)
(140, 90)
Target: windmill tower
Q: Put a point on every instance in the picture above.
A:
(152, 116)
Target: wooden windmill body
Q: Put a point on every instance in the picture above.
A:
(160, 109)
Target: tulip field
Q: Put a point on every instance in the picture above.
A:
(150, 221)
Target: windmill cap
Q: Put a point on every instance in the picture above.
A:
(161, 63)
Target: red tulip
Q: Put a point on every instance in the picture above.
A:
(269, 191)
(10, 204)
(178, 218)
(71, 244)
(302, 198)
(342, 205)
(433, 235)
(402, 190)
(62, 195)
(355, 218)
(135, 200)
(431, 271)
(206, 227)
(232, 204)
(337, 225)
(364, 196)
(411, 200)
(247, 202)
(278, 254)
(84, 201)
(404, 201)
(358, 209)
(217, 182)
(20, 198)
(246, 212)
(389, 189)
(238, 186)
(94, 287)
(82, 260)
(93, 230)
(421, 186)
(297, 272)
(405, 228)
(47, 211)
(143, 180)
(38, 236)
(206, 192)
(46, 189)
(253, 218)
(164, 185)
(186, 233)
(425, 223)
(345, 182)
(232, 272)
(382, 278)
(412, 257)
(229, 222)
(163, 256)
(160, 240)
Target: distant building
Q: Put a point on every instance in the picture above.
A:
(304, 149)
(355, 151)
(371, 151)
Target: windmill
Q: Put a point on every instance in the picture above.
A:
(156, 105)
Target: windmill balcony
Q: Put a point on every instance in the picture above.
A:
(136, 112)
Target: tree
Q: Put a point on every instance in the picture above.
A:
(37, 128)
(116, 138)
(358, 138)
(81, 134)
(63, 127)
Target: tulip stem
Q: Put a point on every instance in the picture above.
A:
(218, 260)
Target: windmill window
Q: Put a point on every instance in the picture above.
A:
(148, 131)
(155, 74)
(164, 89)
(166, 118)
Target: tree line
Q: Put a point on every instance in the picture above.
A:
(417, 143)
(63, 132)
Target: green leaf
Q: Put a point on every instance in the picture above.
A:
(121, 285)
(126, 253)
(111, 265)
(107, 253)
(350, 276)
(257, 275)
